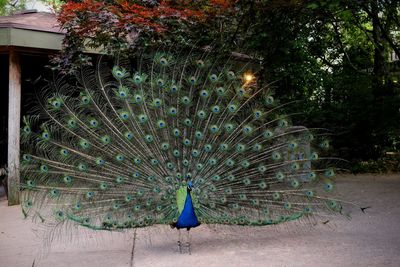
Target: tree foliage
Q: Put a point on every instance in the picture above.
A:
(335, 56)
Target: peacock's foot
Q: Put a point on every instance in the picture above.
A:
(184, 248)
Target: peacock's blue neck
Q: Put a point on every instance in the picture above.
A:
(188, 218)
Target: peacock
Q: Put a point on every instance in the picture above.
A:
(171, 136)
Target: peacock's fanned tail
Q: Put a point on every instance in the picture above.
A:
(117, 146)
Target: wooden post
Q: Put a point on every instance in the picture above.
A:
(14, 117)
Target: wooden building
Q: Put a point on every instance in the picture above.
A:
(26, 41)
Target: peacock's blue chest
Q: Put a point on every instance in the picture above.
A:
(188, 218)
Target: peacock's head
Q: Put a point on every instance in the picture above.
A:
(190, 185)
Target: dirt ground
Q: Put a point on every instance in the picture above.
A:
(370, 239)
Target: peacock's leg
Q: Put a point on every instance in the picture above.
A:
(188, 243)
(180, 241)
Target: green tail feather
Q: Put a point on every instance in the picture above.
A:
(118, 149)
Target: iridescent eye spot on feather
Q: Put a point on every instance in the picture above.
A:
(89, 194)
(85, 100)
(200, 63)
(46, 136)
(56, 103)
(215, 109)
(201, 114)
(195, 153)
(30, 184)
(119, 180)
(174, 89)
(67, 179)
(282, 123)
(164, 146)
(64, 152)
(231, 75)
(204, 94)
(119, 73)
(229, 127)
(257, 147)
(77, 206)
(157, 102)
(26, 157)
(143, 118)
(192, 80)
(208, 148)
(261, 169)
(314, 156)
(124, 115)
(161, 124)
(231, 177)
(71, 123)
(262, 185)
(27, 129)
(82, 167)
(214, 129)
(93, 123)
(328, 186)
(245, 164)
(199, 135)
(224, 147)
(170, 166)
(187, 142)
(240, 92)
(163, 61)
(213, 78)
(83, 143)
(280, 177)
(276, 155)
(160, 82)
(103, 186)
(268, 134)
(186, 100)
(172, 111)
(309, 193)
(220, 91)
(137, 79)
(44, 168)
(292, 145)
(276, 196)
(258, 114)
(247, 129)
(128, 135)
(176, 153)
(230, 162)
(240, 148)
(106, 139)
(269, 100)
(59, 215)
(53, 193)
(176, 132)
(295, 183)
(232, 108)
(138, 99)
(188, 122)
(149, 138)
(199, 166)
(212, 161)
(329, 173)
(311, 176)
(100, 161)
(332, 204)
(324, 145)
